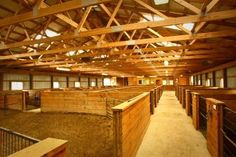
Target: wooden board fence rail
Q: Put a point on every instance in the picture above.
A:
(131, 120)
(92, 102)
(221, 127)
(12, 100)
(218, 94)
(49, 147)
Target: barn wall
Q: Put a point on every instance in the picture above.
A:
(41, 81)
(219, 76)
(223, 75)
(231, 77)
(8, 78)
(44, 80)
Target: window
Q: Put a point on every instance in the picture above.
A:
(199, 82)
(171, 82)
(16, 85)
(221, 83)
(56, 85)
(77, 84)
(93, 84)
(208, 82)
(164, 82)
(107, 81)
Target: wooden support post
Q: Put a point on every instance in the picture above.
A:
(197, 79)
(225, 78)
(96, 82)
(67, 81)
(51, 81)
(31, 81)
(89, 84)
(201, 79)
(1, 81)
(213, 78)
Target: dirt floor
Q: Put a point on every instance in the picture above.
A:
(87, 135)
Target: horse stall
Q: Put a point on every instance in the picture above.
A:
(184, 89)
(221, 127)
(130, 109)
(131, 120)
(199, 110)
(14, 100)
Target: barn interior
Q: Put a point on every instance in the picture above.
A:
(117, 78)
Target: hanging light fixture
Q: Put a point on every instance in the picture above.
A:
(166, 63)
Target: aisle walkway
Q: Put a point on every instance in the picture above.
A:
(171, 133)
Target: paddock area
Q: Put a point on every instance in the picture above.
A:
(87, 135)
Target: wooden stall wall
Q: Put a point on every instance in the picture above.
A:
(131, 120)
(184, 80)
(132, 81)
(14, 100)
(73, 101)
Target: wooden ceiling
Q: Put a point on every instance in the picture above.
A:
(120, 38)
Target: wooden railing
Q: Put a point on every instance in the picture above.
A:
(11, 142)
(131, 120)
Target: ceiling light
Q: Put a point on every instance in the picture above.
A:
(152, 76)
(63, 69)
(104, 74)
(140, 76)
(166, 63)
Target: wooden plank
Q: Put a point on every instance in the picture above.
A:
(48, 147)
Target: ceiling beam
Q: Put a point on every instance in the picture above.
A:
(129, 42)
(127, 27)
(58, 8)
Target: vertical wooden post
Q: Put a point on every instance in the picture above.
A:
(213, 78)
(201, 79)
(23, 101)
(51, 81)
(225, 78)
(31, 81)
(89, 84)
(67, 81)
(1, 81)
(96, 82)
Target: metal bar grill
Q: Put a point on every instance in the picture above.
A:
(229, 132)
(190, 103)
(202, 115)
(11, 142)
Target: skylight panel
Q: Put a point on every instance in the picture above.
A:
(51, 33)
(160, 2)
(188, 26)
